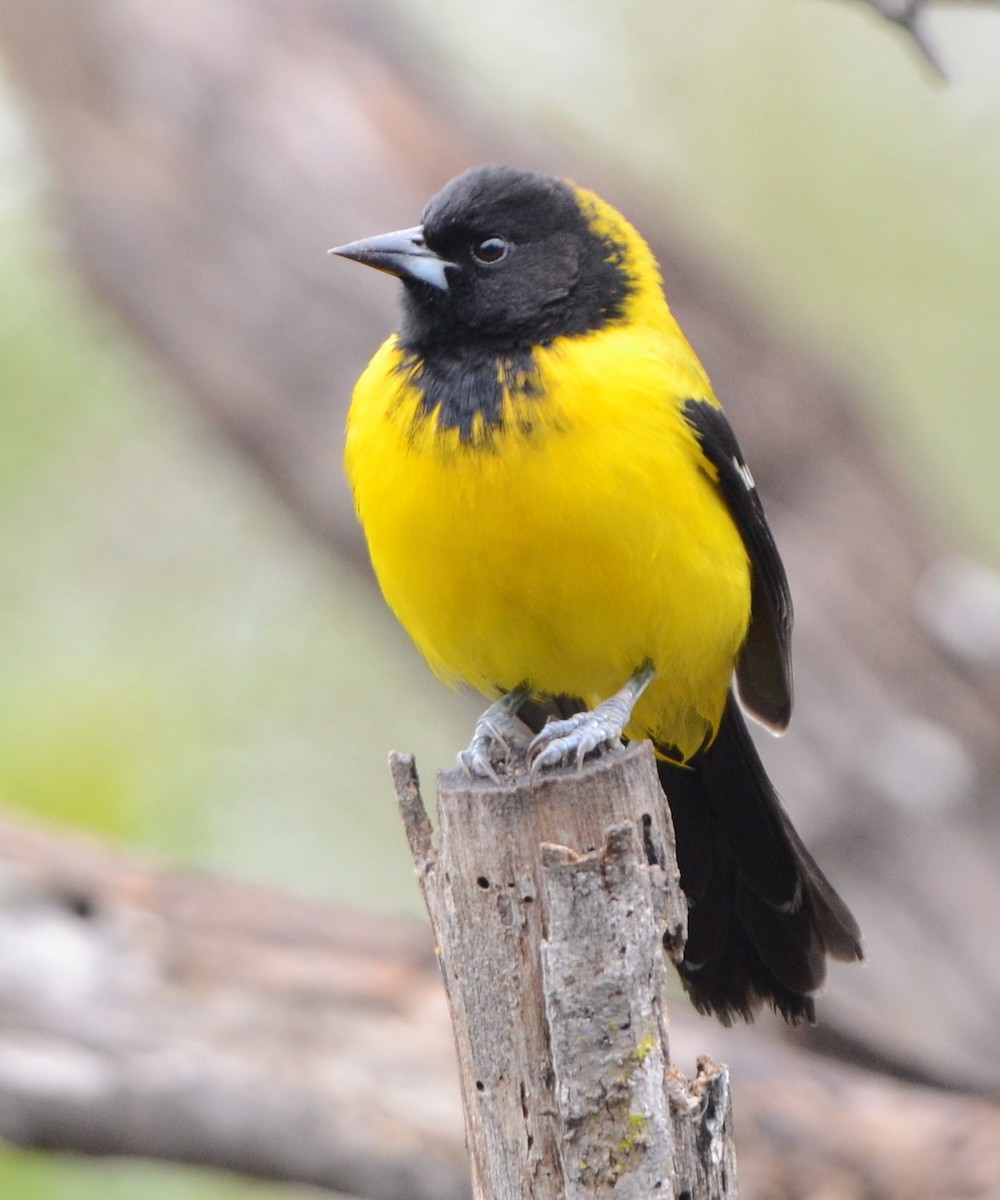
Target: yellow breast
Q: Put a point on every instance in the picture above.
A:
(582, 537)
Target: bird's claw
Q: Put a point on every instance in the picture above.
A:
(577, 736)
(498, 736)
(477, 757)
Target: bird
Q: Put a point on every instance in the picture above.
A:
(560, 515)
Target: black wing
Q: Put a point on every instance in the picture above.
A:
(764, 670)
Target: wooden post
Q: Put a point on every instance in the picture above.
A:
(551, 905)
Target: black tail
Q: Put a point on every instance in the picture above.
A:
(762, 916)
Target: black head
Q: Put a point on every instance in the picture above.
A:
(504, 258)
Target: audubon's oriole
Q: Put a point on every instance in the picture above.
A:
(560, 515)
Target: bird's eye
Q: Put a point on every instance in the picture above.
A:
(490, 250)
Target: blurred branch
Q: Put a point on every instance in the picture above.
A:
(908, 15)
(207, 154)
(169, 1015)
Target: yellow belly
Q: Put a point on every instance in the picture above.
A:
(579, 541)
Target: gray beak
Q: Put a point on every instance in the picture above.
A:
(401, 253)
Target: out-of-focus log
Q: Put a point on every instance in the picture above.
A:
(206, 155)
(180, 1017)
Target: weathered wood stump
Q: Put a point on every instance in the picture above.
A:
(551, 904)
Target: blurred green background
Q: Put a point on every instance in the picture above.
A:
(181, 668)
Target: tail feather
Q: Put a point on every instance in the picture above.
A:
(787, 942)
(762, 916)
(834, 920)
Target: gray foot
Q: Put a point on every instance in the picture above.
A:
(574, 738)
(498, 735)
